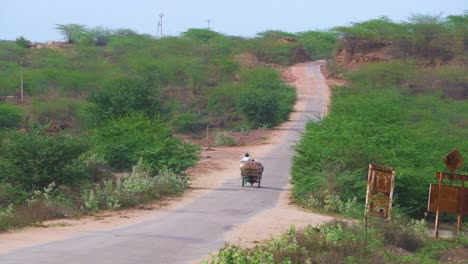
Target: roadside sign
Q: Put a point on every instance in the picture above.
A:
(449, 200)
(380, 184)
(453, 160)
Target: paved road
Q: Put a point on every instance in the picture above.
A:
(189, 233)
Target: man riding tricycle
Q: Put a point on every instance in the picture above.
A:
(251, 171)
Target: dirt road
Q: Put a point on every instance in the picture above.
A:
(216, 210)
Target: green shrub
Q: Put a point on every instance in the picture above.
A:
(71, 111)
(10, 116)
(319, 44)
(137, 187)
(187, 123)
(264, 98)
(383, 126)
(382, 75)
(336, 242)
(123, 141)
(273, 51)
(33, 160)
(169, 182)
(224, 139)
(200, 34)
(126, 95)
(400, 233)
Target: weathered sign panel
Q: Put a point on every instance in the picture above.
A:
(449, 200)
(453, 160)
(380, 184)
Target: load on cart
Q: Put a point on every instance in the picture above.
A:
(251, 172)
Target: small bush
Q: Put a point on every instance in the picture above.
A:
(10, 116)
(32, 213)
(224, 139)
(187, 123)
(399, 234)
(168, 182)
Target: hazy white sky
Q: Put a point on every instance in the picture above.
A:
(36, 19)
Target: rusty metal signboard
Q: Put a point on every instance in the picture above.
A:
(453, 160)
(449, 199)
(380, 184)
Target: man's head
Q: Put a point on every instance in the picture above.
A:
(246, 154)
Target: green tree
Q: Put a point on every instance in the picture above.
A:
(200, 34)
(99, 36)
(23, 42)
(373, 30)
(275, 34)
(459, 27)
(72, 32)
(430, 39)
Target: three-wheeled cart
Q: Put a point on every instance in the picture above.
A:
(251, 172)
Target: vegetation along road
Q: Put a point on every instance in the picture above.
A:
(191, 231)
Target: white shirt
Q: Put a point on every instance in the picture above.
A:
(246, 159)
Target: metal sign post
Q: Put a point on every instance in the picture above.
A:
(380, 184)
(446, 198)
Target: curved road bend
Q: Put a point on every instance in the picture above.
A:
(191, 232)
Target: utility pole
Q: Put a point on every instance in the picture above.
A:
(161, 15)
(209, 20)
(157, 31)
(21, 63)
(21, 92)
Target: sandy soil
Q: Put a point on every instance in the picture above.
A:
(214, 168)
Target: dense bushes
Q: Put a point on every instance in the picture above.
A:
(383, 75)
(140, 186)
(336, 242)
(435, 39)
(10, 116)
(265, 100)
(383, 126)
(319, 44)
(123, 141)
(72, 112)
(125, 95)
(31, 161)
(137, 187)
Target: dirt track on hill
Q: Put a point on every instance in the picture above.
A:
(216, 170)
